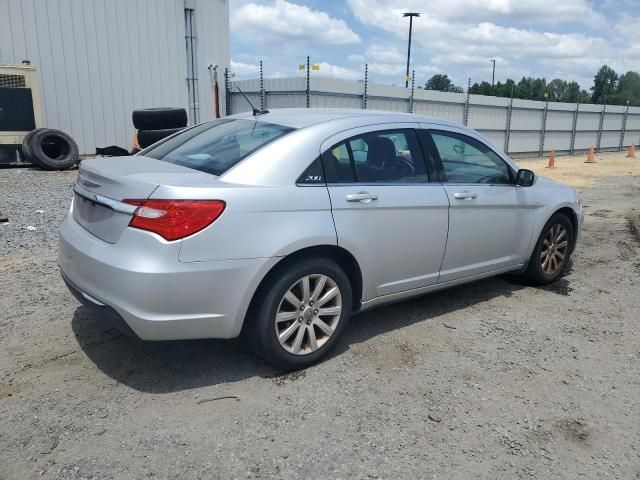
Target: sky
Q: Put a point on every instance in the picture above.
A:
(568, 39)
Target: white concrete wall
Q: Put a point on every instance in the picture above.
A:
(100, 59)
(488, 115)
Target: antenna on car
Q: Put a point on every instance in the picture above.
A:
(256, 112)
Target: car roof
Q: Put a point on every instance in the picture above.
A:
(305, 117)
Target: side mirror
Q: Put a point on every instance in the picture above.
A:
(525, 178)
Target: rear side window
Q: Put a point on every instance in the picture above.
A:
(337, 164)
(215, 147)
(389, 156)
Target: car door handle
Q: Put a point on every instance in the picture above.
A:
(362, 197)
(464, 196)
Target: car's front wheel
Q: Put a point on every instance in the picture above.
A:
(300, 314)
(552, 251)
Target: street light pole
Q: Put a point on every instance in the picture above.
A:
(493, 75)
(410, 15)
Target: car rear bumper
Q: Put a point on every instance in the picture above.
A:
(99, 311)
(141, 281)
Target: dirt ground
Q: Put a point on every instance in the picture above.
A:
(573, 170)
(492, 380)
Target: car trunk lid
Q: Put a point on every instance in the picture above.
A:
(103, 184)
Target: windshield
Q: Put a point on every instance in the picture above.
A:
(215, 147)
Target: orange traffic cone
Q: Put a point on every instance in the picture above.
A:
(632, 151)
(592, 155)
(552, 159)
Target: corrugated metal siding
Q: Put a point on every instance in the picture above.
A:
(99, 60)
(212, 23)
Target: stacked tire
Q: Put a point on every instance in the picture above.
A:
(154, 124)
(50, 149)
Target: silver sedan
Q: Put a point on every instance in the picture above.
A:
(280, 225)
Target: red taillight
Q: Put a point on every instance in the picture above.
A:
(175, 219)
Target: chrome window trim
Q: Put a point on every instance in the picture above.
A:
(344, 135)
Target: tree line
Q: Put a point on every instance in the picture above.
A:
(608, 87)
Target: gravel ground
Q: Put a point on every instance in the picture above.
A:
(489, 380)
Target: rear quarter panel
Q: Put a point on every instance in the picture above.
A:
(258, 221)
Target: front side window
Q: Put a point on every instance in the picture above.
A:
(466, 160)
(389, 156)
(215, 147)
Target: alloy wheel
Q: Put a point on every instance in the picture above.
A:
(554, 249)
(308, 314)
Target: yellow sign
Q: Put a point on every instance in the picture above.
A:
(315, 67)
(301, 66)
(408, 78)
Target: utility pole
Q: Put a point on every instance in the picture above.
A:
(410, 15)
(493, 75)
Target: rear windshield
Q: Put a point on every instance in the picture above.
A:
(215, 147)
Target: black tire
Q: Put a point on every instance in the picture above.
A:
(534, 272)
(53, 150)
(159, 118)
(149, 137)
(260, 328)
(27, 154)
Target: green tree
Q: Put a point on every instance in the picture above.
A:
(585, 97)
(524, 88)
(556, 89)
(506, 89)
(538, 89)
(442, 83)
(604, 84)
(607, 84)
(571, 93)
(483, 88)
(475, 89)
(628, 89)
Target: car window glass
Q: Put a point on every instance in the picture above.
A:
(337, 164)
(388, 156)
(214, 147)
(466, 160)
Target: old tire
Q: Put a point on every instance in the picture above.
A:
(552, 251)
(319, 318)
(26, 147)
(52, 149)
(159, 118)
(149, 137)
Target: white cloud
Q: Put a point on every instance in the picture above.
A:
(565, 38)
(336, 71)
(385, 53)
(244, 69)
(387, 69)
(467, 34)
(286, 21)
(456, 11)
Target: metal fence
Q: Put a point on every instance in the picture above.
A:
(520, 127)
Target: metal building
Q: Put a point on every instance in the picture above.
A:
(98, 60)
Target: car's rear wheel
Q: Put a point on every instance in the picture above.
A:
(301, 314)
(552, 251)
